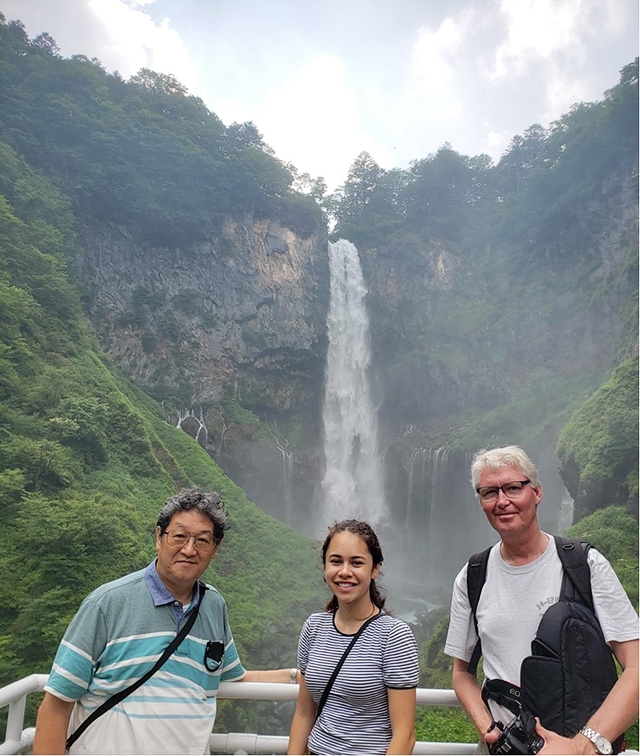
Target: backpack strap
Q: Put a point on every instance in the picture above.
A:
(573, 555)
(476, 575)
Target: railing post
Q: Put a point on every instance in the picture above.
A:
(15, 719)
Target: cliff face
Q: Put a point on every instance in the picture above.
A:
(212, 330)
(247, 306)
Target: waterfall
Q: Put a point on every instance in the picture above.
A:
(352, 484)
(287, 478)
(444, 523)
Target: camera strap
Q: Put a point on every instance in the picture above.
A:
(504, 693)
(111, 702)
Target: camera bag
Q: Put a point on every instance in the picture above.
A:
(571, 668)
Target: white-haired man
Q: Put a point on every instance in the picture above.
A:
(523, 577)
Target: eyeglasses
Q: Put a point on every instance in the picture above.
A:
(510, 490)
(179, 538)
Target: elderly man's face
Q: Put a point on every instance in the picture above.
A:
(181, 566)
(514, 513)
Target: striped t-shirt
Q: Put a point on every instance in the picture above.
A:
(117, 635)
(355, 718)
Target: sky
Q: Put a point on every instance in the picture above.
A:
(324, 80)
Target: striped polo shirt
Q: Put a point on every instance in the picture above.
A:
(117, 635)
(355, 718)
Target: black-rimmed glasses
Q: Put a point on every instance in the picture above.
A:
(511, 490)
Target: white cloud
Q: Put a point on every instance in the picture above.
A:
(536, 29)
(496, 143)
(134, 41)
(562, 90)
(434, 68)
(312, 121)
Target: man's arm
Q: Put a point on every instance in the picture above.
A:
(51, 725)
(618, 711)
(268, 676)
(467, 689)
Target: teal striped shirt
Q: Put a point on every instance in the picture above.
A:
(116, 636)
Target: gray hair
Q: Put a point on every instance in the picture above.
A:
(507, 456)
(208, 504)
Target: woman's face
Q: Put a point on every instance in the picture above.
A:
(348, 568)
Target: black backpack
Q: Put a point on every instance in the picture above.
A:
(571, 668)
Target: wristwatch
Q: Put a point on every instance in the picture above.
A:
(599, 741)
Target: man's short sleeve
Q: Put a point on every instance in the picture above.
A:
(461, 636)
(76, 659)
(232, 668)
(617, 617)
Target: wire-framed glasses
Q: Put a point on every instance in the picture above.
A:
(178, 538)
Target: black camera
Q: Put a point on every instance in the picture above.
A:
(519, 736)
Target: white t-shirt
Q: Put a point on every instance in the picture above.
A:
(513, 601)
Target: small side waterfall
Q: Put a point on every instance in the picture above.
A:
(287, 479)
(352, 485)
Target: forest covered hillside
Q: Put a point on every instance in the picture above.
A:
(87, 460)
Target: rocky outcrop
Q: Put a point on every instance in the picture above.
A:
(246, 308)
(232, 324)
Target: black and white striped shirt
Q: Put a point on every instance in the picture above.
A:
(355, 719)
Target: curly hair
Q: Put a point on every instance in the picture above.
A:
(208, 504)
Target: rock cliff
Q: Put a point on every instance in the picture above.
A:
(215, 329)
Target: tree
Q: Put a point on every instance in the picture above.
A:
(158, 83)
(47, 44)
(521, 156)
(357, 191)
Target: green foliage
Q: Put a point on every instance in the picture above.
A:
(435, 667)
(444, 724)
(614, 532)
(520, 420)
(87, 460)
(142, 154)
(601, 438)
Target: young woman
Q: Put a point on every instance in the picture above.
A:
(371, 705)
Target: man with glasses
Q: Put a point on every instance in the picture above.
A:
(123, 627)
(523, 578)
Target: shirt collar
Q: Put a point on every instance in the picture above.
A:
(160, 594)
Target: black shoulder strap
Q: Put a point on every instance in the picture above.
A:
(343, 658)
(476, 575)
(573, 555)
(111, 702)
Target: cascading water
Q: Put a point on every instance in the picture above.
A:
(352, 485)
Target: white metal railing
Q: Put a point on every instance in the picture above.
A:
(20, 740)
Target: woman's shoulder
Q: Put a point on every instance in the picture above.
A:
(391, 621)
(319, 620)
(390, 625)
